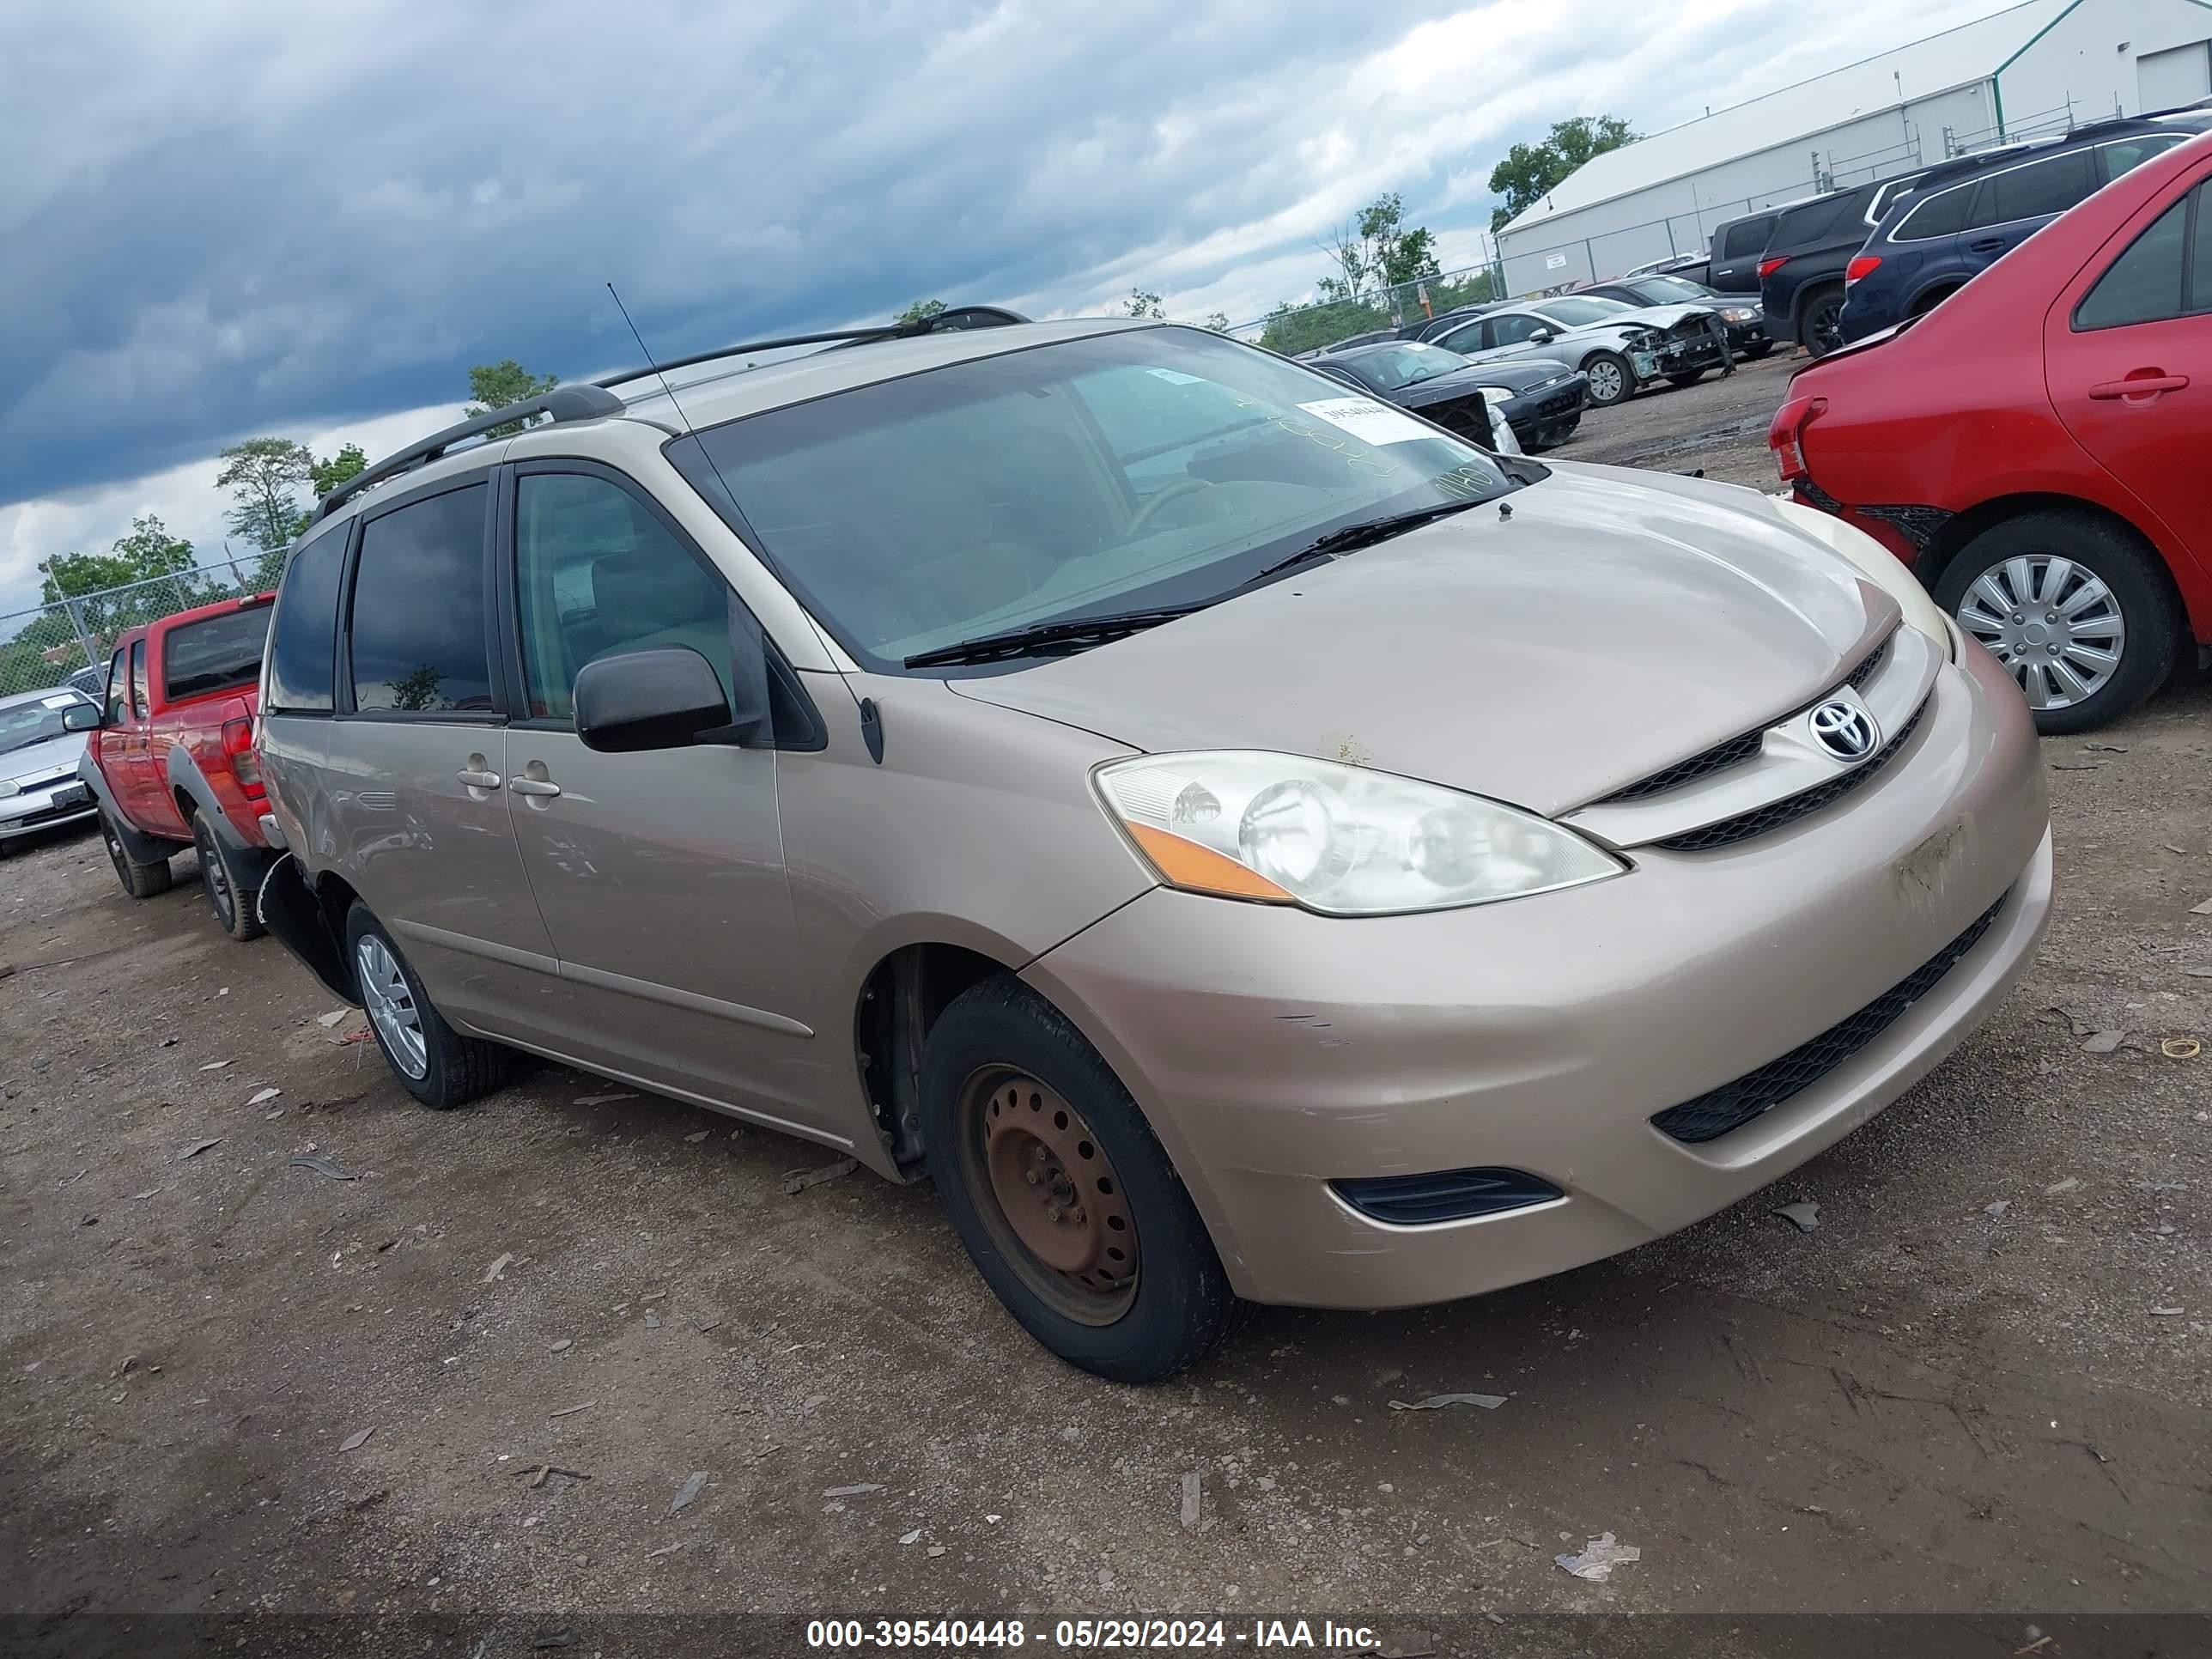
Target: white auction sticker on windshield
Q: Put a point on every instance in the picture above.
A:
(58, 702)
(1369, 421)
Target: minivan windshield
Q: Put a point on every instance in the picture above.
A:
(1142, 470)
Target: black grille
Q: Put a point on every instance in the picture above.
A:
(1732, 1105)
(1763, 819)
(1737, 748)
(1414, 1200)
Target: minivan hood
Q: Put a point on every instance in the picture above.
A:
(1618, 621)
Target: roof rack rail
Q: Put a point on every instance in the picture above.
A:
(563, 403)
(959, 317)
(595, 399)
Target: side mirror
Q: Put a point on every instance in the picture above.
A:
(80, 717)
(1542, 336)
(666, 698)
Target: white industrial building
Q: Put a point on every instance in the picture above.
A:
(2029, 70)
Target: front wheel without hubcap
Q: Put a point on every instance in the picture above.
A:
(1060, 1193)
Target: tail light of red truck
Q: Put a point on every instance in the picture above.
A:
(245, 765)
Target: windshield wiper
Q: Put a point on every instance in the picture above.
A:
(1346, 539)
(1074, 630)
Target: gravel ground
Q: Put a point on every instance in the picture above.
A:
(1969, 1389)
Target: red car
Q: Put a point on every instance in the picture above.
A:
(2038, 446)
(171, 760)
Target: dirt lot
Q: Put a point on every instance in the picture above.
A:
(1979, 1386)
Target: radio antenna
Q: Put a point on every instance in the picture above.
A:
(871, 724)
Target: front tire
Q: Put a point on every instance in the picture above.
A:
(1061, 1193)
(141, 881)
(2077, 609)
(433, 1061)
(1765, 348)
(226, 894)
(1611, 379)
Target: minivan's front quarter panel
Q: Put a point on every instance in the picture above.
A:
(1273, 1049)
(980, 828)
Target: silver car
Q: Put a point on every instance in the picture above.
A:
(39, 786)
(1242, 843)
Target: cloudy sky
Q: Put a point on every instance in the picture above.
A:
(231, 218)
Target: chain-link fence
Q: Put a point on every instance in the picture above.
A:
(68, 642)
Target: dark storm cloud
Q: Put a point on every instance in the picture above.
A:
(294, 214)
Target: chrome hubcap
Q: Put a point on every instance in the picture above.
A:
(2053, 623)
(391, 1007)
(1604, 382)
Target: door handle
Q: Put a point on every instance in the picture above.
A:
(1987, 245)
(534, 786)
(2139, 384)
(478, 779)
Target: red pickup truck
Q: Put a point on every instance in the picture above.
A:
(171, 760)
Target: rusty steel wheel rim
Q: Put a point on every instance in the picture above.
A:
(1051, 1197)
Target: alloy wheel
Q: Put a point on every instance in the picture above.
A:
(1048, 1194)
(2054, 622)
(391, 1006)
(1824, 326)
(1604, 382)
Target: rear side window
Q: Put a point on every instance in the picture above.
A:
(417, 630)
(1801, 226)
(140, 699)
(2032, 192)
(306, 628)
(1747, 238)
(2122, 158)
(219, 654)
(2152, 281)
(1942, 214)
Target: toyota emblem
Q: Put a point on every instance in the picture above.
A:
(1843, 729)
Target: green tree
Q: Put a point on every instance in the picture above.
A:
(1217, 320)
(920, 312)
(495, 386)
(262, 475)
(148, 553)
(326, 475)
(1142, 302)
(1377, 248)
(1530, 170)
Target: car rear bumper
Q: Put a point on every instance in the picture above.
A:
(1275, 1050)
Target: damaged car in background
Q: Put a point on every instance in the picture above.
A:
(1239, 842)
(1527, 405)
(1620, 349)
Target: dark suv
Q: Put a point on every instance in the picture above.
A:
(1801, 277)
(1738, 243)
(1960, 218)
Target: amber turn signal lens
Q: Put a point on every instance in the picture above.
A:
(1185, 864)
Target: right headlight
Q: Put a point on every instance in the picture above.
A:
(10, 787)
(1343, 841)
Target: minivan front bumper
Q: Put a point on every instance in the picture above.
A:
(1275, 1050)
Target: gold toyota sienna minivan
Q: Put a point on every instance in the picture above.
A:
(1243, 843)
